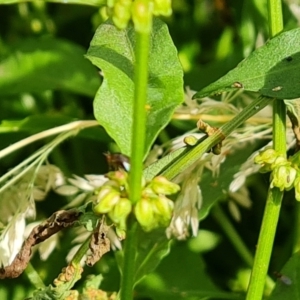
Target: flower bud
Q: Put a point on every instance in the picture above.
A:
(279, 161)
(190, 140)
(107, 199)
(142, 15)
(121, 232)
(144, 214)
(121, 13)
(163, 209)
(161, 185)
(162, 7)
(267, 156)
(120, 211)
(119, 176)
(110, 3)
(283, 177)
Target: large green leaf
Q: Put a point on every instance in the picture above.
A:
(181, 275)
(151, 249)
(287, 285)
(112, 50)
(272, 70)
(46, 63)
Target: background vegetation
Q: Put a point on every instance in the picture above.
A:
(55, 84)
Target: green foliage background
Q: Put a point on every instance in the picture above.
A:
(46, 81)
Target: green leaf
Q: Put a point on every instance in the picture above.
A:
(151, 249)
(112, 50)
(41, 64)
(287, 285)
(273, 70)
(181, 275)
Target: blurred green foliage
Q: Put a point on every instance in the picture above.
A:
(45, 81)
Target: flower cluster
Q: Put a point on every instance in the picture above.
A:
(140, 11)
(154, 209)
(285, 172)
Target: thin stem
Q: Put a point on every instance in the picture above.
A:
(81, 251)
(274, 198)
(233, 236)
(237, 242)
(275, 17)
(34, 277)
(296, 233)
(46, 133)
(137, 156)
(191, 156)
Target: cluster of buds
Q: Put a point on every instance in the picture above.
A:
(285, 172)
(153, 210)
(140, 11)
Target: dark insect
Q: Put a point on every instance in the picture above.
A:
(286, 280)
(289, 58)
(117, 161)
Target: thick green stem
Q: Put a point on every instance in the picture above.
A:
(139, 115)
(137, 156)
(191, 156)
(128, 268)
(273, 205)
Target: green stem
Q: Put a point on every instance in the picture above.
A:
(139, 115)
(275, 17)
(237, 242)
(264, 245)
(296, 233)
(81, 251)
(128, 271)
(233, 236)
(34, 277)
(191, 156)
(273, 204)
(137, 156)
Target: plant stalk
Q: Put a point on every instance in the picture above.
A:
(191, 156)
(274, 198)
(137, 156)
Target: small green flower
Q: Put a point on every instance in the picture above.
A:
(163, 209)
(144, 214)
(283, 177)
(108, 197)
(190, 140)
(279, 161)
(120, 177)
(142, 15)
(122, 13)
(267, 156)
(120, 212)
(161, 185)
(162, 8)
